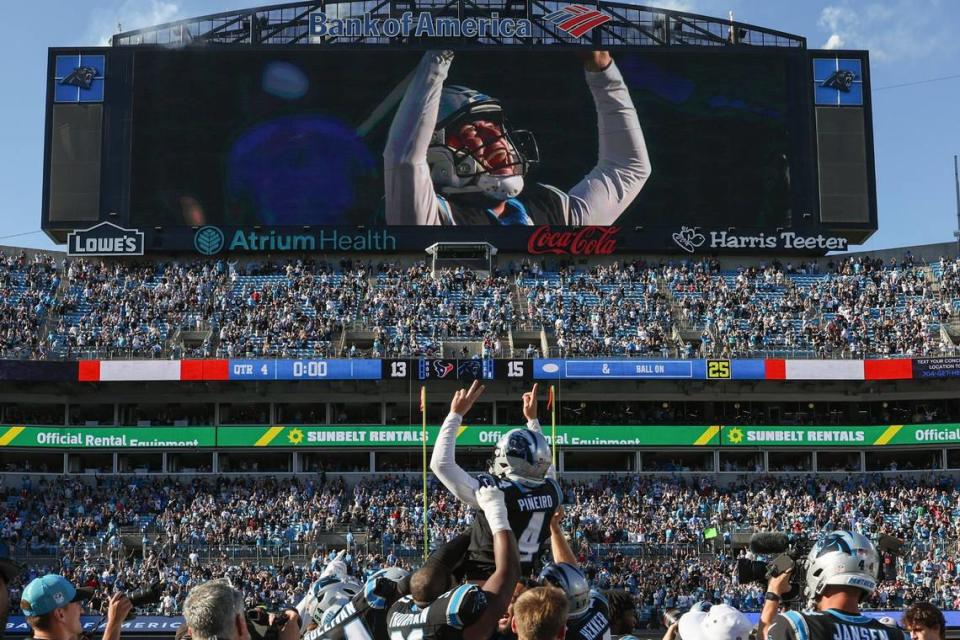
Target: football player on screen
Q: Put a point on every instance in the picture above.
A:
(451, 157)
(521, 469)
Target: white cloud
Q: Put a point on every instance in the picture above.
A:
(889, 29)
(834, 42)
(129, 14)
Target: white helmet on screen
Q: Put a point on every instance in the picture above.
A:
(494, 167)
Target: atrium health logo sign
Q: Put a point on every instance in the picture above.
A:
(208, 240)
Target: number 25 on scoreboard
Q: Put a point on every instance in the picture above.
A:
(718, 369)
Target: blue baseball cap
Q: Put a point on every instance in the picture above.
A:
(50, 592)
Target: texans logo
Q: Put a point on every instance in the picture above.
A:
(80, 77)
(840, 80)
(443, 368)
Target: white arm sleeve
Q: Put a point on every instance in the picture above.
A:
(534, 425)
(410, 198)
(443, 462)
(623, 165)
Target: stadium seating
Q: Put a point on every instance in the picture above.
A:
(645, 534)
(28, 287)
(856, 308)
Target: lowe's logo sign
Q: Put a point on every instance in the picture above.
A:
(420, 25)
(105, 239)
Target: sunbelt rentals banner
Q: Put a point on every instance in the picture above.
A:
(391, 436)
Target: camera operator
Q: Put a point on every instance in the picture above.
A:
(53, 608)
(841, 572)
(214, 611)
(923, 621)
(777, 587)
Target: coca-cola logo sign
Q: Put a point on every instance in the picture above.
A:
(585, 241)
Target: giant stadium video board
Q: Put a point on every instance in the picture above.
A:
(299, 138)
(538, 149)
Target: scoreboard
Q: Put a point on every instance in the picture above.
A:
(495, 369)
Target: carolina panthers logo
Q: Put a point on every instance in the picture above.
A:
(841, 80)
(470, 369)
(519, 446)
(443, 368)
(834, 542)
(80, 77)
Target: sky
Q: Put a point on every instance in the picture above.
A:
(915, 63)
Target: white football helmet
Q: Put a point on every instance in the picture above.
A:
(842, 558)
(462, 170)
(331, 597)
(395, 574)
(521, 454)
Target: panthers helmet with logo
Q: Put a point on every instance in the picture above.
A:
(572, 582)
(396, 574)
(842, 558)
(457, 171)
(521, 454)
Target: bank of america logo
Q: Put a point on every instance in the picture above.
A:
(577, 20)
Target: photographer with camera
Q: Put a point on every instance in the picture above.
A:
(841, 572)
(214, 611)
(53, 607)
(778, 586)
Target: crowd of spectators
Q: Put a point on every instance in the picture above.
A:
(605, 310)
(650, 535)
(855, 307)
(413, 308)
(28, 288)
(858, 307)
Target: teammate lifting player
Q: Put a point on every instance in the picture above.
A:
(520, 468)
(588, 616)
(436, 608)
